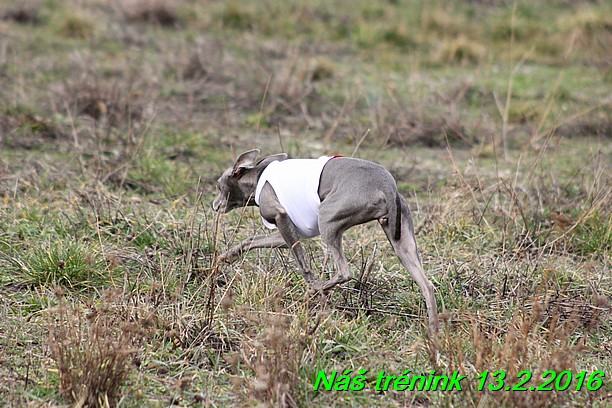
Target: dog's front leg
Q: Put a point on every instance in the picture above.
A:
(271, 209)
(291, 237)
(271, 241)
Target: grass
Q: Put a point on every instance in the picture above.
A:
(116, 121)
(93, 350)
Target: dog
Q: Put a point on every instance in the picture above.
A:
(303, 198)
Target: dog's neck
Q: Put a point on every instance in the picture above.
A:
(255, 175)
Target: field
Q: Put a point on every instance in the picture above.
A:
(116, 118)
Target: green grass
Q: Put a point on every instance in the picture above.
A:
(117, 120)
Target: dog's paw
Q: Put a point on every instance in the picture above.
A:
(317, 290)
(315, 287)
(228, 257)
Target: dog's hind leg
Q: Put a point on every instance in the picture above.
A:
(333, 240)
(340, 211)
(332, 225)
(406, 250)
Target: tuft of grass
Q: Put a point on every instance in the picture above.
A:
(234, 16)
(587, 24)
(108, 102)
(93, 349)
(592, 235)
(273, 360)
(27, 128)
(400, 37)
(153, 12)
(441, 21)
(28, 13)
(519, 350)
(73, 265)
(461, 50)
(76, 26)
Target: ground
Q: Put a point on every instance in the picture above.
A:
(116, 118)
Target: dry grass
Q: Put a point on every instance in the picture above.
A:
(27, 13)
(538, 338)
(273, 356)
(118, 118)
(95, 349)
(151, 12)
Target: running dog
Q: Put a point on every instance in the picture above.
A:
(303, 198)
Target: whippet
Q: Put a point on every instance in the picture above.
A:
(307, 197)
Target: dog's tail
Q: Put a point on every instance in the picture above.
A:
(397, 233)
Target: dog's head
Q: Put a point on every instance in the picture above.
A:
(236, 186)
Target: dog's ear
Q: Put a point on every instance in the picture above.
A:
(273, 157)
(245, 161)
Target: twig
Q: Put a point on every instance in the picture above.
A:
(263, 100)
(360, 141)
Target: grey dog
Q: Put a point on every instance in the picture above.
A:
(349, 192)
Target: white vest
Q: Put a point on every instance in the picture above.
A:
(296, 184)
